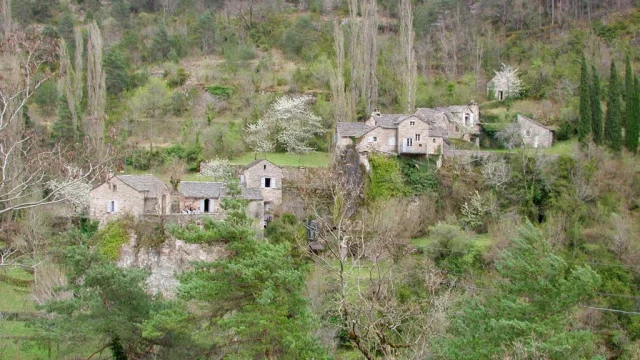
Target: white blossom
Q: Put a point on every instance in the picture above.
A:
(509, 77)
(74, 192)
(258, 137)
(290, 122)
(219, 169)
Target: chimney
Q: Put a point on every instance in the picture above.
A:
(376, 112)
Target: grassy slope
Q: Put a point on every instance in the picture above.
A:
(313, 159)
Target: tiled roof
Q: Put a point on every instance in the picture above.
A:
(533, 122)
(389, 120)
(352, 129)
(437, 131)
(454, 108)
(200, 189)
(255, 162)
(141, 183)
(428, 115)
(214, 190)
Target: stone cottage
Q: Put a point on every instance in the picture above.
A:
(267, 178)
(421, 133)
(131, 195)
(504, 84)
(534, 134)
(200, 197)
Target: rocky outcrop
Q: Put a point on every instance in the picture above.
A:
(167, 261)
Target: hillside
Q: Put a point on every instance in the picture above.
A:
(483, 244)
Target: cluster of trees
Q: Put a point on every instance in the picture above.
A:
(621, 117)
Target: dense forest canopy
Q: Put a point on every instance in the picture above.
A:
(507, 252)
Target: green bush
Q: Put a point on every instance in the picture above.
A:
(419, 175)
(47, 98)
(385, 178)
(110, 239)
(222, 91)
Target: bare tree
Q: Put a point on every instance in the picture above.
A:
(25, 166)
(343, 104)
(410, 67)
(7, 20)
(364, 52)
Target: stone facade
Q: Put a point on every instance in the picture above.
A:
(264, 175)
(534, 134)
(421, 133)
(129, 195)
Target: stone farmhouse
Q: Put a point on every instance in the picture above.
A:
(534, 134)
(420, 134)
(500, 86)
(140, 195)
(129, 194)
(267, 177)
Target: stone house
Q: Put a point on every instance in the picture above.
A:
(129, 195)
(267, 178)
(200, 197)
(500, 86)
(422, 133)
(534, 134)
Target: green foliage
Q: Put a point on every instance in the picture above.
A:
(176, 78)
(287, 229)
(222, 91)
(63, 131)
(46, 97)
(111, 237)
(529, 313)
(110, 304)
(211, 231)
(632, 132)
(116, 68)
(613, 121)
(419, 176)
(385, 178)
(452, 249)
(596, 107)
(302, 39)
(160, 44)
(149, 234)
(584, 126)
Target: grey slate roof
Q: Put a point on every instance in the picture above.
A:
(214, 190)
(200, 189)
(390, 120)
(454, 108)
(436, 131)
(148, 183)
(256, 162)
(352, 129)
(533, 122)
(428, 115)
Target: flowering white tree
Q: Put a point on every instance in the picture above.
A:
(75, 192)
(289, 123)
(508, 78)
(258, 137)
(219, 169)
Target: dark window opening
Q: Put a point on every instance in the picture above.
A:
(264, 167)
(267, 182)
(207, 207)
(115, 187)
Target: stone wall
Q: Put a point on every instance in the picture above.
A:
(253, 179)
(378, 139)
(166, 262)
(425, 145)
(129, 201)
(533, 134)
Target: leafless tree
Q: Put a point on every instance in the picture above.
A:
(25, 164)
(343, 104)
(410, 67)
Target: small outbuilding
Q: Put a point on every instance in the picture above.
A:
(534, 134)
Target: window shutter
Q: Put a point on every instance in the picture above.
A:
(262, 182)
(471, 118)
(370, 139)
(212, 205)
(108, 206)
(202, 205)
(115, 206)
(273, 183)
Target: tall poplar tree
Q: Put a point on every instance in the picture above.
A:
(596, 107)
(584, 127)
(613, 120)
(633, 119)
(628, 88)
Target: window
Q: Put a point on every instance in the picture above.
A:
(457, 128)
(112, 206)
(375, 139)
(417, 137)
(264, 167)
(114, 187)
(467, 119)
(268, 182)
(206, 206)
(412, 123)
(527, 133)
(409, 141)
(433, 140)
(241, 179)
